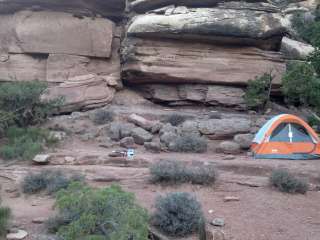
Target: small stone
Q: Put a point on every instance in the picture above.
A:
(219, 222)
(42, 158)
(69, 159)
(20, 234)
(244, 140)
(231, 199)
(229, 157)
(156, 127)
(210, 211)
(39, 220)
(57, 135)
(141, 121)
(127, 142)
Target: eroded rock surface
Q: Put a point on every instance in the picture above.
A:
(180, 62)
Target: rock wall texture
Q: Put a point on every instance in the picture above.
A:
(175, 52)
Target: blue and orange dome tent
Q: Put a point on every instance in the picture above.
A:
(286, 136)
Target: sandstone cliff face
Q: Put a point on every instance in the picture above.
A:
(175, 52)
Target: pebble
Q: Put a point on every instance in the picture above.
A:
(39, 220)
(231, 199)
(219, 222)
(17, 235)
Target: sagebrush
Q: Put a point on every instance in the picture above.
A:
(173, 171)
(25, 143)
(177, 214)
(49, 181)
(286, 182)
(109, 213)
(189, 143)
(175, 119)
(103, 116)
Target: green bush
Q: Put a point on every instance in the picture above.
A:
(4, 219)
(189, 143)
(257, 92)
(21, 104)
(172, 171)
(175, 119)
(103, 116)
(177, 214)
(25, 143)
(301, 85)
(50, 181)
(109, 213)
(287, 182)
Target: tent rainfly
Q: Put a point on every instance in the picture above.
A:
(286, 137)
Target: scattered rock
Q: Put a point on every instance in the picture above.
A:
(295, 50)
(127, 142)
(156, 127)
(228, 147)
(141, 136)
(224, 128)
(219, 222)
(18, 235)
(42, 158)
(57, 135)
(153, 146)
(39, 220)
(231, 199)
(189, 127)
(229, 157)
(141, 121)
(118, 131)
(244, 140)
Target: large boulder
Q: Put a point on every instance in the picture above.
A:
(82, 92)
(141, 136)
(110, 8)
(242, 25)
(244, 140)
(228, 147)
(56, 33)
(155, 61)
(188, 94)
(295, 50)
(224, 128)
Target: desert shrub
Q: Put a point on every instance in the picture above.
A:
(168, 171)
(258, 91)
(21, 103)
(314, 59)
(4, 219)
(177, 214)
(175, 119)
(109, 213)
(287, 182)
(189, 143)
(173, 171)
(313, 121)
(25, 143)
(50, 181)
(103, 116)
